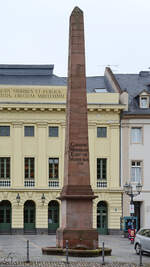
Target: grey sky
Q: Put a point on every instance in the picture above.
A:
(117, 32)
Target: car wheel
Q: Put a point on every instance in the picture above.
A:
(137, 249)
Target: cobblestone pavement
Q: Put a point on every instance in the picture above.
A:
(13, 251)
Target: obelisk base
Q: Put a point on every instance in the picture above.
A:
(77, 238)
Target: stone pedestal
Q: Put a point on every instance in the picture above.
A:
(77, 238)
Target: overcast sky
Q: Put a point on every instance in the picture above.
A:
(117, 33)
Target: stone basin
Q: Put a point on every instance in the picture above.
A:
(78, 252)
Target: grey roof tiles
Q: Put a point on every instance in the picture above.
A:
(43, 75)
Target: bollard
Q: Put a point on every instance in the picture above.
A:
(67, 260)
(103, 254)
(28, 260)
(141, 255)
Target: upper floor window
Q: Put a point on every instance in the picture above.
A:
(136, 171)
(5, 168)
(53, 168)
(144, 101)
(136, 135)
(101, 132)
(4, 130)
(101, 169)
(29, 168)
(53, 131)
(28, 130)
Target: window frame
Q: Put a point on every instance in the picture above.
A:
(101, 171)
(8, 126)
(147, 99)
(25, 126)
(29, 170)
(142, 134)
(5, 177)
(53, 136)
(53, 171)
(102, 127)
(141, 166)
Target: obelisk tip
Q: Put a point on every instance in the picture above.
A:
(77, 11)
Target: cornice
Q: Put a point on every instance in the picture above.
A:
(135, 116)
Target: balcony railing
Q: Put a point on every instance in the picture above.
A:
(53, 183)
(102, 184)
(29, 183)
(5, 183)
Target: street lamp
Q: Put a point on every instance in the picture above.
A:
(128, 189)
(43, 198)
(18, 198)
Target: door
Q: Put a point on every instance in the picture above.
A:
(137, 205)
(5, 216)
(29, 216)
(53, 216)
(102, 218)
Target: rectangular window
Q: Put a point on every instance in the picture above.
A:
(144, 102)
(53, 131)
(53, 168)
(29, 168)
(101, 132)
(4, 130)
(28, 130)
(5, 168)
(101, 169)
(136, 171)
(136, 135)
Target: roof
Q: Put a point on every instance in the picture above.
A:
(41, 75)
(134, 84)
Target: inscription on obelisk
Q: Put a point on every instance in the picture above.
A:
(76, 195)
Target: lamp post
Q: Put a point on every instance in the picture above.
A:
(43, 198)
(128, 189)
(18, 198)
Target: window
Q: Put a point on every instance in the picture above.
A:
(100, 90)
(29, 168)
(136, 135)
(5, 168)
(101, 168)
(144, 103)
(53, 168)
(29, 131)
(136, 171)
(53, 131)
(101, 132)
(4, 130)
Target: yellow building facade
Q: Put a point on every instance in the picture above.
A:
(32, 141)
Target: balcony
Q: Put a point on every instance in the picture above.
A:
(29, 183)
(5, 183)
(102, 184)
(53, 183)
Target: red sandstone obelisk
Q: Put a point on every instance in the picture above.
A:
(76, 195)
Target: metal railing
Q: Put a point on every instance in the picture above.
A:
(101, 184)
(5, 183)
(53, 184)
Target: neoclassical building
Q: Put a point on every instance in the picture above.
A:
(32, 139)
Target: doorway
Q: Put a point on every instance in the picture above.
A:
(102, 218)
(53, 216)
(5, 217)
(137, 205)
(29, 217)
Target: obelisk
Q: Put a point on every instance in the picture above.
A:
(76, 195)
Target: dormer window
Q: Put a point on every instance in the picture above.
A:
(144, 102)
(100, 90)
